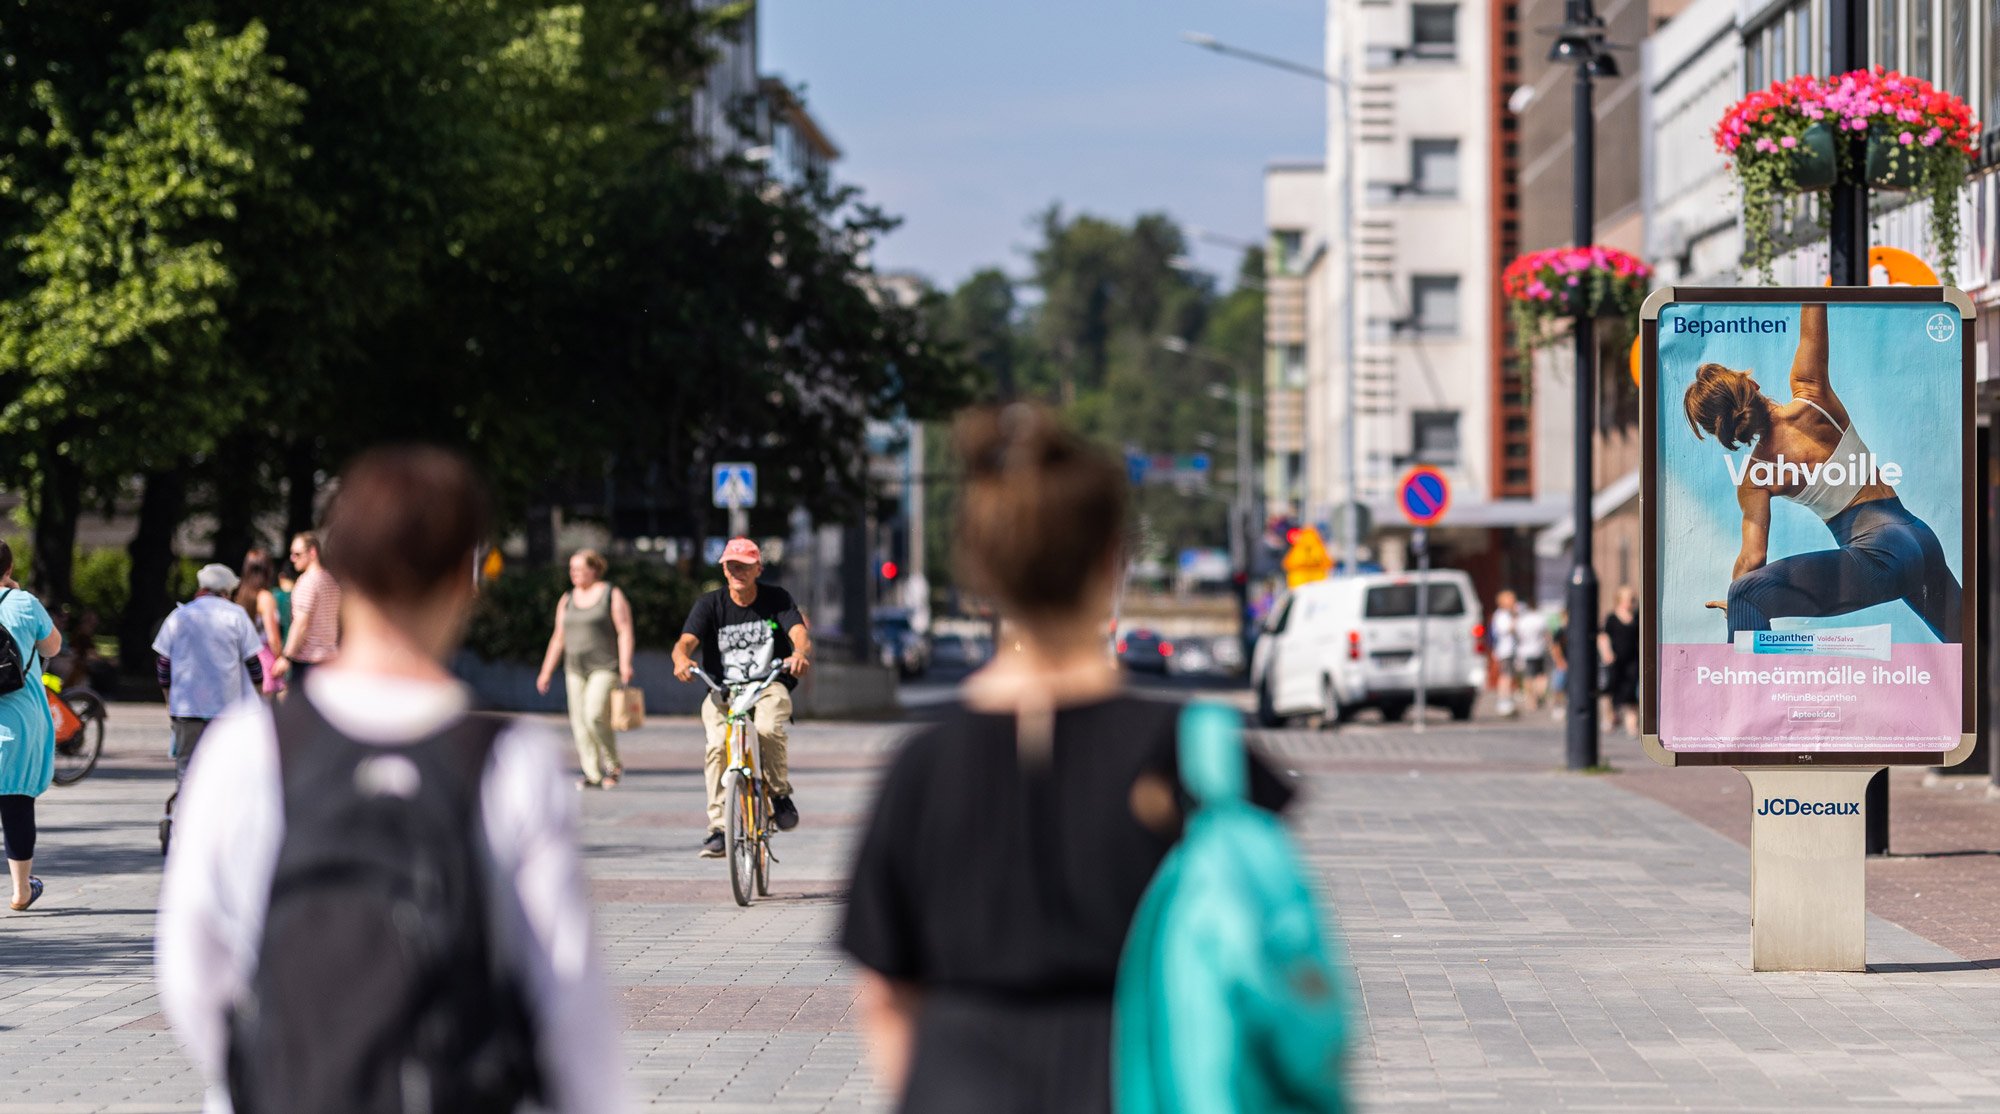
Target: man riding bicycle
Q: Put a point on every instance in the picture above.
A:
(741, 630)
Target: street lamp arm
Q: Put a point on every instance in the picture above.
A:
(1210, 42)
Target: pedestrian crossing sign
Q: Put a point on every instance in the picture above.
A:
(735, 485)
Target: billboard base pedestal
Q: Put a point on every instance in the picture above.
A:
(1808, 870)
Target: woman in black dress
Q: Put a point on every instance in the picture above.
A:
(1011, 841)
(1618, 646)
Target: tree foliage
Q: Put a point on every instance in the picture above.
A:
(1093, 338)
(240, 241)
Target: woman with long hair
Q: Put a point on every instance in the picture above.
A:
(254, 595)
(1810, 451)
(1011, 841)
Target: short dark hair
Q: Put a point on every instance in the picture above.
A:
(404, 522)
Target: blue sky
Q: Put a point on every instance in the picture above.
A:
(966, 117)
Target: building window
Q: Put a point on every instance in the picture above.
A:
(1753, 63)
(1958, 47)
(1287, 251)
(1434, 31)
(1292, 366)
(1887, 39)
(1434, 167)
(1991, 66)
(1921, 38)
(1434, 437)
(1434, 305)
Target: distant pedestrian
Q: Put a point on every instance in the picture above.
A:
(27, 732)
(1506, 614)
(315, 633)
(1559, 660)
(1618, 645)
(257, 598)
(376, 901)
(593, 641)
(1010, 843)
(207, 660)
(1531, 656)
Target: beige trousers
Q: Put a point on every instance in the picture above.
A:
(773, 716)
(590, 720)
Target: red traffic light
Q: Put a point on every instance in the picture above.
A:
(889, 570)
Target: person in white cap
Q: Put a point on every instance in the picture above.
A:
(207, 660)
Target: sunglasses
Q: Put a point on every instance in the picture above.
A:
(738, 567)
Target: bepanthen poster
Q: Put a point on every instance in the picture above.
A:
(1810, 528)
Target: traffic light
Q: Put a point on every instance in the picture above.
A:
(890, 570)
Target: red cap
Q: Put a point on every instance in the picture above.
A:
(743, 550)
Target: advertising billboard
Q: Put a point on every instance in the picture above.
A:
(1807, 503)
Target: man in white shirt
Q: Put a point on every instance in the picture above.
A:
(207, 661)
(249, 917)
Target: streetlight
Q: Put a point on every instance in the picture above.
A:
(1244, 503)
(1343, 86)
(1580, 41)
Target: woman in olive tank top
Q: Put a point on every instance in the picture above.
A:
(593, 640)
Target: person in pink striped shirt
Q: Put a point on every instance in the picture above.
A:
(315, 634)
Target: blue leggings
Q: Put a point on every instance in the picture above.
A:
(1886, 553)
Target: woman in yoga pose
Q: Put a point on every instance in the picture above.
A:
(1797, 450)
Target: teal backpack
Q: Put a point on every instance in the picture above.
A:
(1227, 997)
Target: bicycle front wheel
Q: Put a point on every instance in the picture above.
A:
(78, 755)
(739, 847)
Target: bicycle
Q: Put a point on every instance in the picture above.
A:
(747, 826)
(79, 722)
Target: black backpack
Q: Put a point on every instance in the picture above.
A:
(376, 989)
(13, 671)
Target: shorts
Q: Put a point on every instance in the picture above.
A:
(1531, 667)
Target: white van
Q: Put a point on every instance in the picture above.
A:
(1336, 646)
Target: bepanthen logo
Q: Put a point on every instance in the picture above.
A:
(1855, 468)
(1792, 806)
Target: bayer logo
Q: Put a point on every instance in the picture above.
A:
(1940, 327)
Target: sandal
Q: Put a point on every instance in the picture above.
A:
(610, 781)
(583, 783)
(34, 895)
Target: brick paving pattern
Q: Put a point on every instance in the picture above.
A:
(1521, 938)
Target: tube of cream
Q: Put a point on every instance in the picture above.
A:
(1870, 642)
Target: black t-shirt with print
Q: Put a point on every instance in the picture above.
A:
(740, 643)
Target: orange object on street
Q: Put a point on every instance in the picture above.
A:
(67, 725)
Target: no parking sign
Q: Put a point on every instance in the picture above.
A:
(1424, 495)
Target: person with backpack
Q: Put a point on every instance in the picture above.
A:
(1010, 842)
(376, 901)
(27, 732)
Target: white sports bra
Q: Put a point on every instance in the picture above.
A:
(1827, 499)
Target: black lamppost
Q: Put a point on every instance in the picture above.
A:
(1847, 265)
(1580, 41)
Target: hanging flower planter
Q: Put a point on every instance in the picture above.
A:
(1557, 285)
(1787, 139)
(1814, 166)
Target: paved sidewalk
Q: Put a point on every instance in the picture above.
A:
(1522, 938)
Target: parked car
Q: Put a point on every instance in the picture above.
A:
(899, 645)
(1334, 647)
(1228, 652)
(1142, 651)
(1192, 658)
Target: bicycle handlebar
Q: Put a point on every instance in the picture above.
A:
(777, 669)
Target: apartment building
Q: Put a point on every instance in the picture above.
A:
(1296, 300)
(1431, 381)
